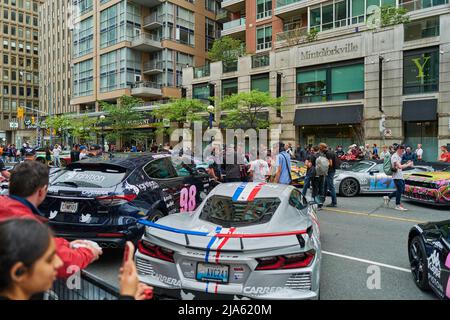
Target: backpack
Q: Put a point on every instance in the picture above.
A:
(322, 166)
(387, 165)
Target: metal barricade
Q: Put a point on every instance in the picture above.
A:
(90, 288)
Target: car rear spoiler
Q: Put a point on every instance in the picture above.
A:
(239, 236)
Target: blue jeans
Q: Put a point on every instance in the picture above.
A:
(329, 182)
(306, 185)
(400, 189)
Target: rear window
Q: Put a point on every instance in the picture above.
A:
(225, 212)
(90, 177)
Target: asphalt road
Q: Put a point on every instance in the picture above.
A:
(358, 237)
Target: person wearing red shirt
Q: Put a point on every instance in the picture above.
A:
(27, 190)
(445, 156)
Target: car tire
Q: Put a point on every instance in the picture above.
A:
(41, 160)
(419, 264)
(349, 187)
(63, 163)
(155, 216)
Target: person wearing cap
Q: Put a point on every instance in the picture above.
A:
(397, 176)
(83, 153)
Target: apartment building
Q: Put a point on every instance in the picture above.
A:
(344, 83)
(137, 48)
(19, 68)
(55, 47)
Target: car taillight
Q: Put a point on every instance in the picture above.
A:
(290, 261)
(116, 200)
(155, 251)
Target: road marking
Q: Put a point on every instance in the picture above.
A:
(380, 216)
(366, 261)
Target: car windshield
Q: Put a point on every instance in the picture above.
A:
(361, 167)
(89, 177)
(228, 213)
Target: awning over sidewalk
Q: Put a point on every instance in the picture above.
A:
(419, 110)
(329, 115)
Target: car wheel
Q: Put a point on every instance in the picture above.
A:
(418, 262)
(41, 160)
(349, 187)
(155, 216)
(63, 163)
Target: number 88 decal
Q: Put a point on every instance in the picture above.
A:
(187, 199)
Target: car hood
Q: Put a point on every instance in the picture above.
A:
(187, 222)
(429, 176)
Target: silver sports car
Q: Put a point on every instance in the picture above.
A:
(246, 240)
(368, 177)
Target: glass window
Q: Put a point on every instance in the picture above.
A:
(90, 176)
(263, 8)
(346, 80)
(264, 38)
(327, 17)
(311, 86)
(315, 17)
(340, 12)
(160, 169)
(420, 29)
(228, 213)
(260, 82)
(200, 91)
(229, 87)
(421, 71)
(296, 200)
(335, 82)
(358, 11)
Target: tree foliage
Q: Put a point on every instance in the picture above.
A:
(122, 120)
(391, 16)
(226, 49)
(244, 109)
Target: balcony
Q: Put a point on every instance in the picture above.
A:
(153, 21)
(146, 42)
(292, 37)
(234, 28)
(233, 5)
(148, 3)
(146, 89)
(288, 8)
(153, 67)
(413, 5)
(201, 72)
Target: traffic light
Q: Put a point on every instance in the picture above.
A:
(20, 113)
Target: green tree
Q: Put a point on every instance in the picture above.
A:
(226, 49)
(82, 127)
(123, 119)
(391, 16)
(180, 111)
(244, 109)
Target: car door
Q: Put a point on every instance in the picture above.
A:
(380, 181)
(444, 246)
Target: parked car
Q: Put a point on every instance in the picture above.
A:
(368, 177)
(429, 256)
(101, 200)
(429, 187)
(252, 240)
(64, 157)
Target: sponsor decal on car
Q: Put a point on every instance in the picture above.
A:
(53, 215)
(246, 192)
(447, 264)
(434, 273)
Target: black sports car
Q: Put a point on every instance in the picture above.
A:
(101, 200)
(429, 256)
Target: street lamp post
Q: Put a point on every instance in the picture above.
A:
(102, 123)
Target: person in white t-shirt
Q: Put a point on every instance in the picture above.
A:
(259, 170)
(419, 152)
(56, 151)
(397, 176)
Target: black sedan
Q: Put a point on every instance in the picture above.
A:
(101, 200)
(429, 256)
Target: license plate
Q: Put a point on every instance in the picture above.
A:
(69, 207)
(212, 272)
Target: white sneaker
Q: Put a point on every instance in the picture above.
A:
(401, 208)
(386, 200)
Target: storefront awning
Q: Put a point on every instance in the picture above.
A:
(419, 110)
(329, 115)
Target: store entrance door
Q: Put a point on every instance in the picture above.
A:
(424, 133)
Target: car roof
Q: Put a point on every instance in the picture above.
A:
(268, 190)
(128, 161)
